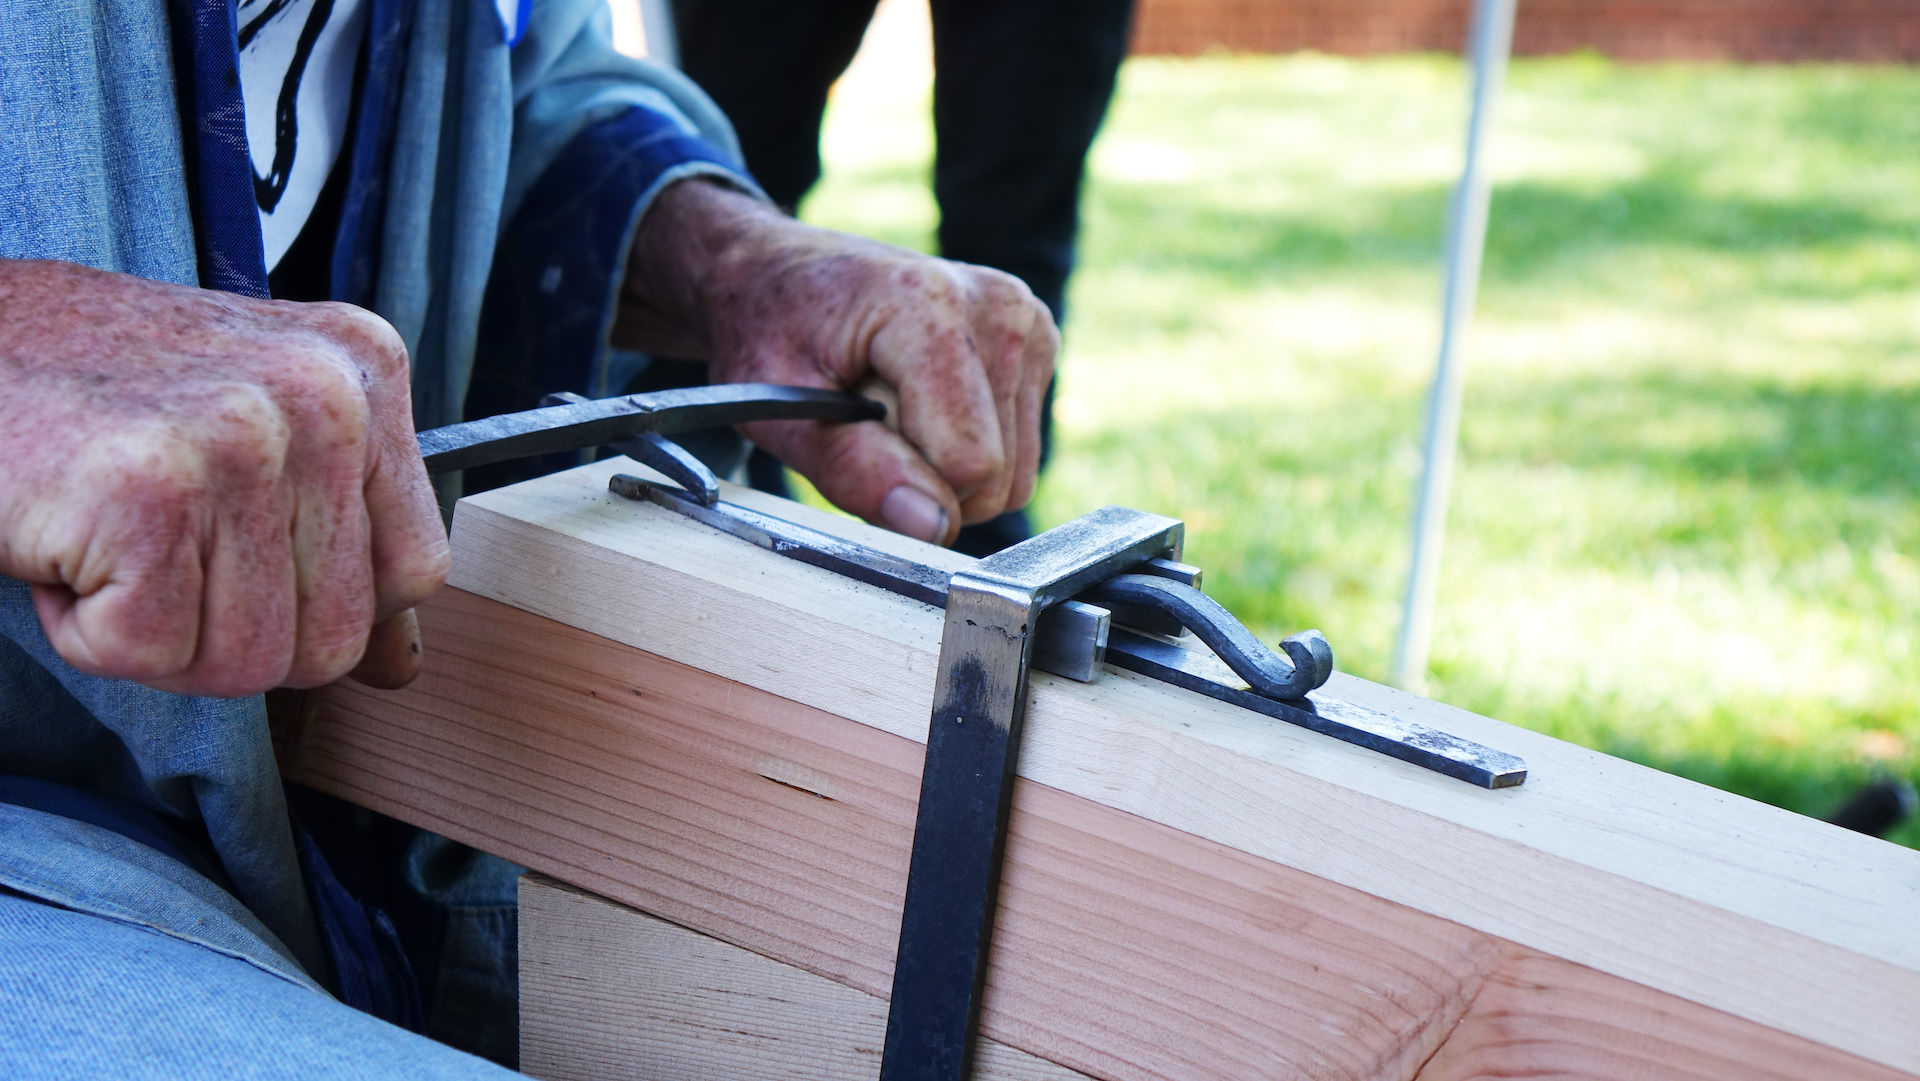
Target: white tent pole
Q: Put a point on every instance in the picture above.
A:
(1489, 46)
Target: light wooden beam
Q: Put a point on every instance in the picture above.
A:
(609, 993)
(730, 740)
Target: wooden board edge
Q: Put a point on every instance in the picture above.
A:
(691, 1007)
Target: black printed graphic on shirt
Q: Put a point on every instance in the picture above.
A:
(296, 72)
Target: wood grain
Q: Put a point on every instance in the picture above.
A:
(1125, 948)
(1685, 889)
(608, 993)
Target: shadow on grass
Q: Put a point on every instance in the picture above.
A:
(1853, 109)
(1854, 438)
(1298, 517)
(1536, 229)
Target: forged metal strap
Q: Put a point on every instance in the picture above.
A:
(657, 452)
(600, 421)
(1429, 748)
(1070, 640)
(1310, 656)
(1073, 643)
(966, 787)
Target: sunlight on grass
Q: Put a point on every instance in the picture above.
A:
(1684, 528)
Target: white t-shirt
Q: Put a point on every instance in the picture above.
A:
(296, 80)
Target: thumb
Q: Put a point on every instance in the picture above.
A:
(867, 469)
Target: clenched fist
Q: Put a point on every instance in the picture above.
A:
(209, 494)
(966, 351)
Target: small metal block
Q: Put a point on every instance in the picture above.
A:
(1071, 640)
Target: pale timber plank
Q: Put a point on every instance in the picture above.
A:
(1703, 895)
(609, 993)
(1124, 948)
(1597, 860)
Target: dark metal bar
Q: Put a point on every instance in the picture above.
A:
(1071, 640)
(660, 454)
(966, 787)
(843, 557)
(1409, 742)
(1148, 618)
(1309, 659)
(610, 420)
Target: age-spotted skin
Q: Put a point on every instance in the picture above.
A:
(965, 351)
(210, 494)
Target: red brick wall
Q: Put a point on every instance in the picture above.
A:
(1754, 30)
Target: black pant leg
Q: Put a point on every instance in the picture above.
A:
(768, 64)
(1020, 89)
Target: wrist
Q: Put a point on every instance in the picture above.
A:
(690, 246)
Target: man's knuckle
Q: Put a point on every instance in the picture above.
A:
(1050, 341)
(337, 391)
(234, 668)
(142, 461)
(980, 467)
(372, 343)
(937, 281)
(1000, 289)
(151, 648)
(244, 430)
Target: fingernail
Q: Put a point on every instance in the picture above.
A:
(913, 512)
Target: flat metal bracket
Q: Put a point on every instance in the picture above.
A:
(966, 787)
(1071, 638)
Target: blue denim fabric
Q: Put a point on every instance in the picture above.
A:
(551, 301)
(478, 126)
(195, 760)
(130, 961)
(220, 174)
(90, 151)
(184, 843)
(371, 969)
(86, 997)
(451, 911)
(356, 244)
(129, 883)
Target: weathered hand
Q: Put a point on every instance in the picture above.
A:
(209, 494)
(966, 350)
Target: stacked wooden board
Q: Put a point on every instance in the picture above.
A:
(730, 742)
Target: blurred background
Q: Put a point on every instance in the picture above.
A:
(1683, 528)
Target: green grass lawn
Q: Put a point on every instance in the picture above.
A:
(1683, 529)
